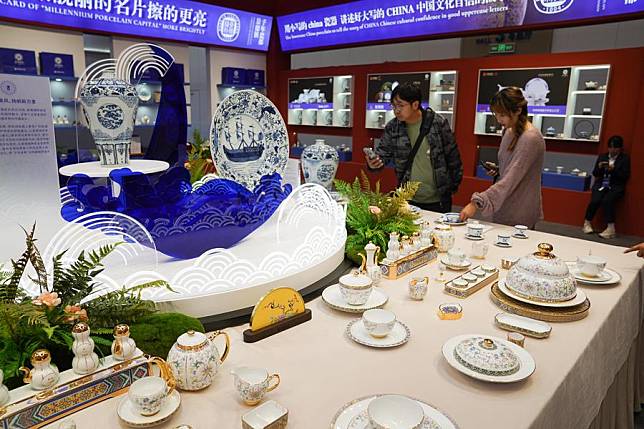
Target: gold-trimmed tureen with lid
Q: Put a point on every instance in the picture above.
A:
(487, 356)
(542, 277)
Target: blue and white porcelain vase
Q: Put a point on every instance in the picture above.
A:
(320, 163)
(109, 105)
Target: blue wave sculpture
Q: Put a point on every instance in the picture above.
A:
(183, 222)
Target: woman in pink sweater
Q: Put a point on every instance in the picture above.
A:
(515, 198)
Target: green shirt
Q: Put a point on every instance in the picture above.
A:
(421, 169)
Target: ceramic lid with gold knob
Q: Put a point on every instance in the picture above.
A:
(80, 327)
(487, 356)
(192, 341)
(542, 276)
(40, 355)
(356, 280)
(122, 330)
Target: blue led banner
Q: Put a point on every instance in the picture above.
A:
(180, 20)
(371, 20)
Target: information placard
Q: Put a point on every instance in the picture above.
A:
(28, 172)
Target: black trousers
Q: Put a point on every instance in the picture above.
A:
(441, 206)
(606, 199)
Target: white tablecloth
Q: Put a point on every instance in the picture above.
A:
(580, 366)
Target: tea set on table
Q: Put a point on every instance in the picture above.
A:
(192, 364)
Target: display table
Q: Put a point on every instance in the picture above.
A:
(587, 372)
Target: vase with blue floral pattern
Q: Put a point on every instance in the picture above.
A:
(320, 163)
(110, 105)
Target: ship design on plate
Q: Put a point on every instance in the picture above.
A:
(248, 144)
(248, 138)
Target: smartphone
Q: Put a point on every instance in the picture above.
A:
(369, 152)
(488, 165)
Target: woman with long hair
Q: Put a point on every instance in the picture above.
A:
(515, 197)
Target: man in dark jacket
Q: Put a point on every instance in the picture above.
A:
(436, 163)
(611, 173)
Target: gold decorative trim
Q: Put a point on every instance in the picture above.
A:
(71, 384)
(566, 314)
(537, 299)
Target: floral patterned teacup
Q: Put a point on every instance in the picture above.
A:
(147, 394)
(253, 383)
(418, 287)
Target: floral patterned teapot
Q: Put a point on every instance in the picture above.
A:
(194, 359)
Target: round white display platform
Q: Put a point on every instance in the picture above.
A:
(300, 244)
(94, 169)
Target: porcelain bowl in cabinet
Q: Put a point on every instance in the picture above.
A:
(355, 288)
(542, 277)
(195, 359)
(395, 412)
(486, 356)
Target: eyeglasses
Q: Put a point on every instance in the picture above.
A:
(399, 106)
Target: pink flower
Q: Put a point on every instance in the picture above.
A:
(375, 210)
(50, 299)
(75, 312)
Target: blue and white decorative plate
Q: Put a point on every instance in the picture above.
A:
(248, 138)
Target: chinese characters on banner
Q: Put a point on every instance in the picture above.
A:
(371, 20)
(181, 20)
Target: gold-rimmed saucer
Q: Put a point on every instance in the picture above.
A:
(132, 418)
(451, 266)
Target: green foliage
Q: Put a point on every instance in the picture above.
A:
(27, 324)
(156, 333)
(364, 226)
(199, 158)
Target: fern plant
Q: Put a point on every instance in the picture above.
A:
(68, 295)
(199, 158)
(372, 215)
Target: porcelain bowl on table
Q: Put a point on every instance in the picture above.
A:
(542, 277)
(355, 288)
(378, 322)
(395, 412)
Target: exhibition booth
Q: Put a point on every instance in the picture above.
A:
(191, 236)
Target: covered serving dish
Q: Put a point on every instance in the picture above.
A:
(487, 356)
(542, 277)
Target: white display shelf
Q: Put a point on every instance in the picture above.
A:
(578, 98)
(587, 91)
(439, 100)
(337, 116)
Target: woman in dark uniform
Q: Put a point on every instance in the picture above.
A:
(611, 173)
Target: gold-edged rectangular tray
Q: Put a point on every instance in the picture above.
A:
(491, 277)
(33, 409)
(409, 263)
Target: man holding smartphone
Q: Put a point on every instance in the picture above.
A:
(422, 147)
